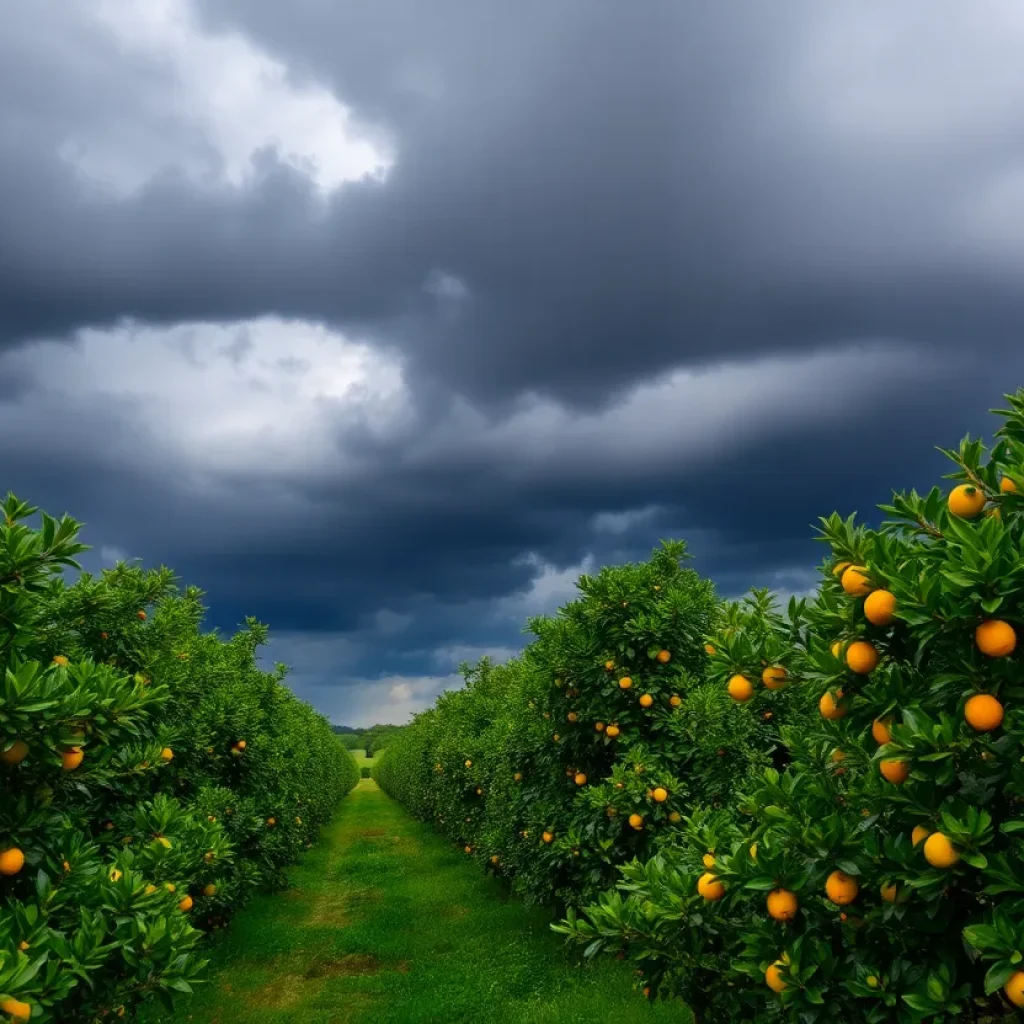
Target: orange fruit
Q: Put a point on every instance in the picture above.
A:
(1014, 989)
(880, 730)
(646, 700)
(60, 659)
(572, 716)
(861, 657)
(240, 744)
(71, 759)
(612, 731)
(675, 816)
(167, 754)
(660, 794)
(995, 638)
(841, 888)
(966, 501)
(710, 887)
(141, 616)
(18, 1011)
(837, 648)
(209, 890)
(580, 779)
(495, 858)
(625, 683)
(185, 905)
(782, 904)
(609, 665)
(773, 977)
(890, 892)
(774, 677)
(880, 607)
(518, 777)
(919, 834)
(637, 821)
(831, 708)
(708, 861)
(838, 756)
(11, 861)
(840, 568)
(675, 700)
(896, 772)
(939, 851)
(547, 837)
(1007, 486)
(15, 753)
(664, 656)
(710, 648)
(983, 712)
(855, 581)
(740, 688)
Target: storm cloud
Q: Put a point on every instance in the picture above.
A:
(383, 321)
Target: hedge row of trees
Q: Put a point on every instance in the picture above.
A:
(152, 778)
(874, 871)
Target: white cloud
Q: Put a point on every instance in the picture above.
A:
(228, 99)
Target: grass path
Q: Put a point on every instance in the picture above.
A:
(387, 924)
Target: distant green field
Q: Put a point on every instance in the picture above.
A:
(362, 760)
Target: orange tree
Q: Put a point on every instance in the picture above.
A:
(584, 752)
(111, 847)
(879, 876)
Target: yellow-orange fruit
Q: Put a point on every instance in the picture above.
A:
(880, 730)
(861, 657)
(675, 700)
(831, 708)
(939, 851)
(995, 638)
(625, 683)
(612, 731)
(710, 649)
(837, 648)
(740, 688)
(983, 712)
(599, 726)
(16, 753)
(840, 568)
(11, 861)
(18, 1010)
(580, 779)
(966, 501)
(838, 756)
(890, 892)
(896, 772)
(841, 888)
(660, 794)
(664, 656)
(572, 716)
(1007, 486)
(919, 834)
(773, 977)
(856, 582)
(209, 890)
(167, 754)
(782, 904)
(71, 759)
(646, 700)
(774, 677)
(1014, 989)
(710, 887)
(708, 861)
(880, 607)
(547, 837)
(637, 821)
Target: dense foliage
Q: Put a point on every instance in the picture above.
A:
(151, 778)
(880, 876)
(560, 765)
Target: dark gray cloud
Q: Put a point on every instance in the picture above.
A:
(738, 265)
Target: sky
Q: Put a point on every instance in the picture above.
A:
(385, 321)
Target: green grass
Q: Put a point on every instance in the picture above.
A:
(362, 760)
(388, 923)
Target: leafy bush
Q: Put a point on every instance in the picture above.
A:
(583, 753)
(152, 777)
(880, 875)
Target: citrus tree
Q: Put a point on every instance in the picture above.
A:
(879, 876)
(116, 839)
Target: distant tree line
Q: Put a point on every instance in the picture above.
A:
(371, 740)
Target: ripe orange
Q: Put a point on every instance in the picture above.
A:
(612, 731)
(580, 779)
(167, 754)
(983, 712)
(880, 730)
(572, 716)
(637, 821)
(71, 759)
(740, 688)
(782, 904)
(753, 851)
(896, 772)
(708, 861)
(675, 700)
(1007, 486)
(890, 892)
(469, 764)
(209, 890)
(240, 744)
(995, 638)
(19, 1011)
(518, 777)
(495, 858)
(774, 677)
(547, 837)
(609, 665)
(271, 822)
(625, 683)
(675, 816)
(880, 607)
(861, 657)
(840, 568)
(556, 737)
(141, 615)
(773, 977)
(838, 756)
(831, 708)
(1014, 989)
(11, 861)
(841, 889)
(710, 887)
(185, 905)
(856, 582)
(660, 794)
(710, 649)
(919, 834)
(966, 501)
(60, 659)
(646, 700)
(939, 851)
(15, 753)
(837, 648)
(664, 656)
